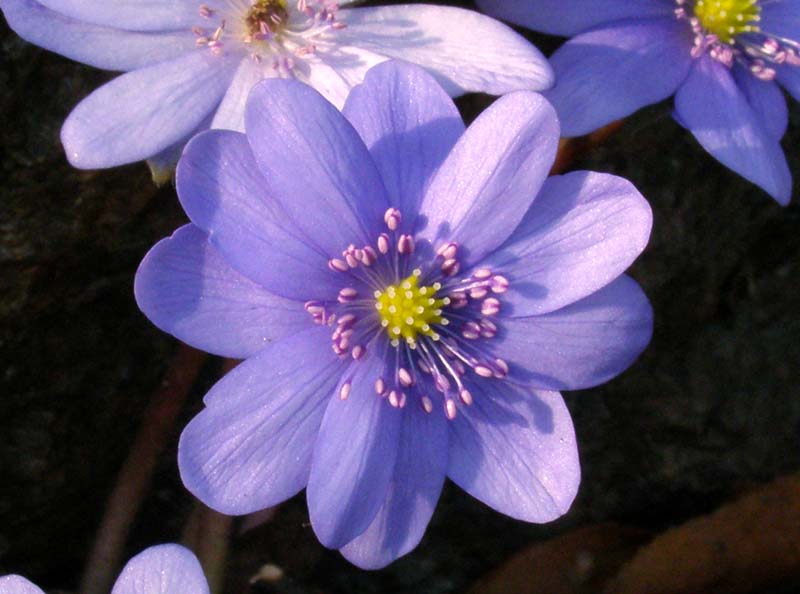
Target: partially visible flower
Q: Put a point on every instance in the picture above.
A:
(407, 295)
(192, 63)
(723, 59)
(162, 569)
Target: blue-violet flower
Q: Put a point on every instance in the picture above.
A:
(723, 60)
(408, 297)
(162, 569)
(191, 63)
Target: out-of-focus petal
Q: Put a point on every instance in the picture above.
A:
(187, 289)
(354, 457)
(16, 584)
(102, 47)
(336, 70)
(713, 107)
(230, 113)
(582, 232)
(162, 569)
(315, 165)
(581, 345)
(143, 112)
(417, 481)
(488, 181)
(570, 17)
(466, 51)
(251, 447)
(409, 125)
(515, 450)
(224, 193)
(609, 73)
(134, 15)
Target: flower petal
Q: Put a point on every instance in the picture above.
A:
(766, 100)
(789, 77)
(187, 289)
(409, 125)
(162, 569)
(102, 47)
(315, 165)
(515, 450)
(230, 113)
(141, 113)
(465, 51)
(134, 15)
(492, 174)
(609, 73)
(582, 232)
(570, 17)
(335, 70)
(417, 481)
(781, 18)
(353, 458)
(581, 345)
(16, 584)
(714, 109)
(250, 448)
(224, 193)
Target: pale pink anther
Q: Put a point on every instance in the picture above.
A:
(448, 251)
(403, 399)
(450, 408)
(394, 398)
(471, 330)
(465, 396)
(499, 284)
(483, 370)
(478, 292)
(490, 306)
(482, 274)
(358, 352)
(205, 11)
(502, 367)
(392, 218)
(380, 386)
(405, 244)
(427, 404)
(423, 366)
(338, 265)
(368, 255)
(344, 391)
(441, 382)
(383, 243)
(459, 368)
(347, 295)
(404, 377)
(346, 320)
(450, 267)
(458, 300)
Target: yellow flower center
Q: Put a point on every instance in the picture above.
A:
(266, 14)
(408, 310)
(728, 18)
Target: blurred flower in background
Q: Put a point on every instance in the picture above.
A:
(191, 63)
(408, 295)
(162, 569)
(723, 60)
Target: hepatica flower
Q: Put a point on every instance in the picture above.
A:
(162, 569)
(191, 63)
(408, 296)
(723, 60)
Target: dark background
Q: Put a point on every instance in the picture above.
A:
(711, 410)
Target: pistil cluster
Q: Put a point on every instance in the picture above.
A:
(730, 31)
(270, 31)
(431, 327)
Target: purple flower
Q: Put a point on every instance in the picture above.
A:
(162, 569)
(408, 297)
(723, 60)
(191, 63)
